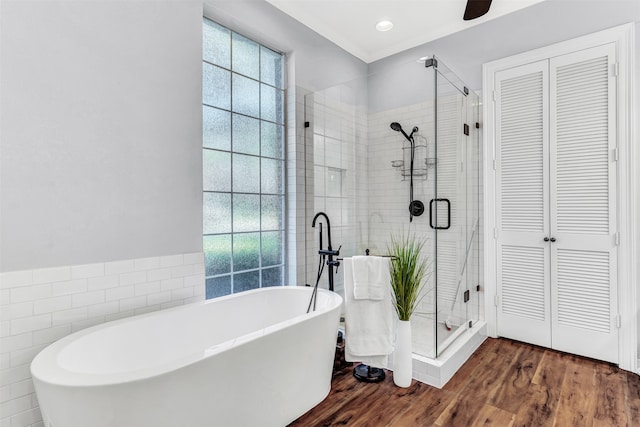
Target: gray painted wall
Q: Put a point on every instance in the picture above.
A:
(100, 121)
(318, 63)
(542, 24)
(101, 131)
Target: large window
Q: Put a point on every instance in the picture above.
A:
(243, 162)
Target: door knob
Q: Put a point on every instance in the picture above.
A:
(546, 239)
(553, 239)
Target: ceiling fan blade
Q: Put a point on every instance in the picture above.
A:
(476, 8)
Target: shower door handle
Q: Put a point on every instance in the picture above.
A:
(436, 227)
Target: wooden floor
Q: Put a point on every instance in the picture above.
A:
(504, 383)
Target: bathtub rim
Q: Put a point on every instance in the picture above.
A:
(45, 368)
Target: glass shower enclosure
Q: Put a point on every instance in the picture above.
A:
(457, 208)
(359, 170)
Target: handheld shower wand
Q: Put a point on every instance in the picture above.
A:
(398, 128)
(416, 207)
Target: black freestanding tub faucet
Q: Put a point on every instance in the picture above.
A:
(328, 253)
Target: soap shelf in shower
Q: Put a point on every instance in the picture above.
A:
(421, 163)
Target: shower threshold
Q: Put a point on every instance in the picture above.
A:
(437, 372)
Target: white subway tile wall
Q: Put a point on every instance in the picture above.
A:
(336, 177)
(347, 160)
(38, 307)
(389, 193)
(389, 198)
(295, 176)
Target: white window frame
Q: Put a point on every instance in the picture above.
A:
(284, 230)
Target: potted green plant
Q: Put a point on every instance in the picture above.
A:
(409, 269)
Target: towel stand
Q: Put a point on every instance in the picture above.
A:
(367, 254)
(365, 373)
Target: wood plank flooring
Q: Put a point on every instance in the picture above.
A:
(504, 383)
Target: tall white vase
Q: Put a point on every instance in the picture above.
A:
(402, 355)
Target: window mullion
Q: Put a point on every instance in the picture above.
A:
(245, 61)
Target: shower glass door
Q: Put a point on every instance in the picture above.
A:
(455, 207)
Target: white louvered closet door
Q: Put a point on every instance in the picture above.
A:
(556, 176)
(582, 196)
(522, 209)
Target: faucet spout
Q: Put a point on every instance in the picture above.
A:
(326, 218)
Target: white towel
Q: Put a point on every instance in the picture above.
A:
(369, 323)
(370, 277)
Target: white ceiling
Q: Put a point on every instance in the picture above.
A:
(351, 23)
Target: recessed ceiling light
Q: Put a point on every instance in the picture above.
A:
(384, 25)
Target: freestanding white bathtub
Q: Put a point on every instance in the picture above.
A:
(251, 359)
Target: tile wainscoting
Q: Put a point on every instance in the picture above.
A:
(38, 307)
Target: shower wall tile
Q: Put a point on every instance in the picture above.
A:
(41, 306)
(295, 180)
(389, 194)
(335, 165)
